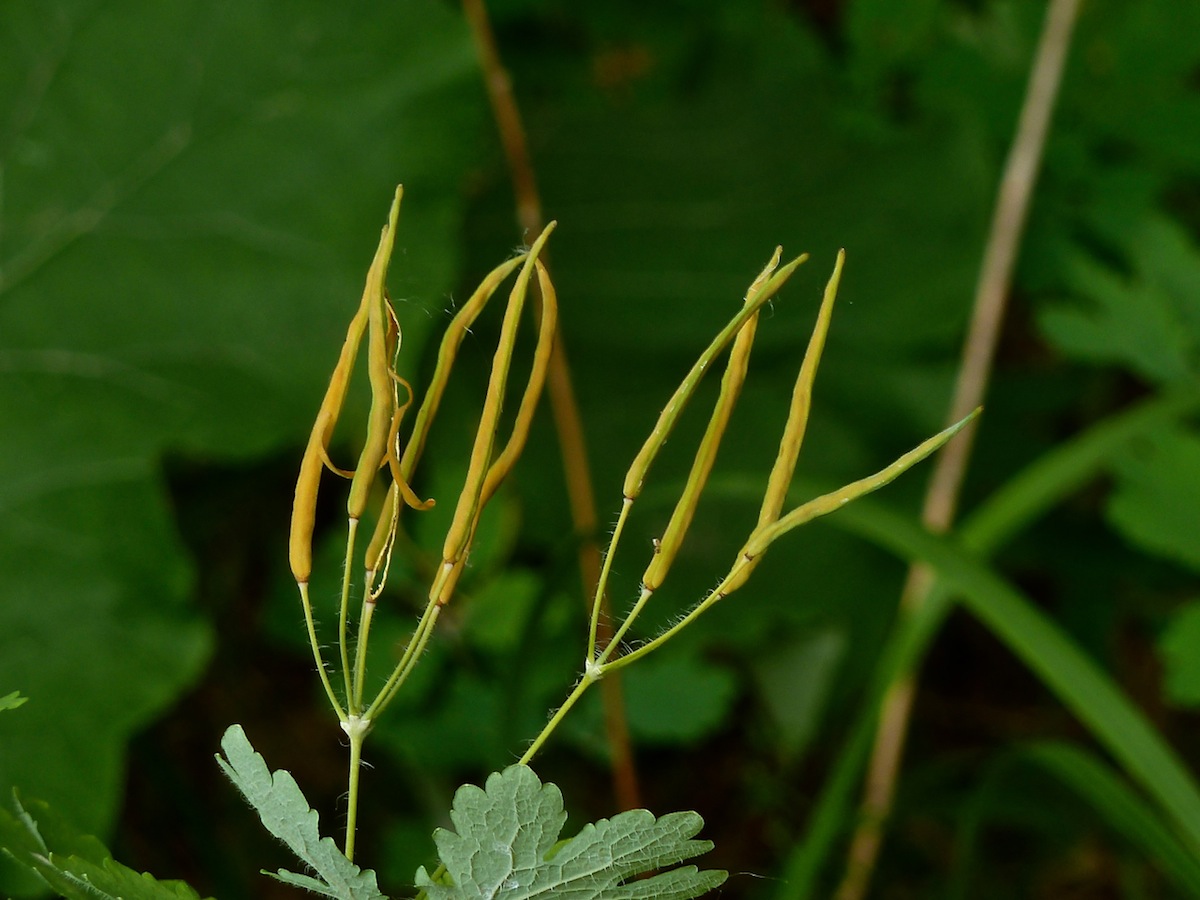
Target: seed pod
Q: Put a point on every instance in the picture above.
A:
(466, 513)
(316, 453)
(379, 372)
(452, 339)
(797, 422)
(667, 547)
(507, 458)
(636, 475)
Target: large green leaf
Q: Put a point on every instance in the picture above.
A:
(192, 192)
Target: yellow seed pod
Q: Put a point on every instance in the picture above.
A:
(466, 513)
(636, 475)
(316, 453)
(379, 371)
(667, 547)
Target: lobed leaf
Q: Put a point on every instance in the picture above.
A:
(1156, 503)
(286, 814)
(12, 701)
(1145, 319)
(506, 846)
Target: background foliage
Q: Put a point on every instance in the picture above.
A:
(190, 196)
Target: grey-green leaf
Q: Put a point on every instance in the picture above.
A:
(505, 847)
(286, 814)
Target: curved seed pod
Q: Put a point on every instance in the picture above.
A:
(448, 576)
(797, 421)
(666, 548)
(393, 441)
(379, 371)
(467, 510)
(667, 418)
(380, 546)
(452, 339)
(507, 458)
(316, 453)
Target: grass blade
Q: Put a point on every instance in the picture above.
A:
(1128, 814)
(1080, 684)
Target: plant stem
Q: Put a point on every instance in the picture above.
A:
(357, 730)
(360, 649)
(344, 617)
(587, 680)
(412, 653)
(616, 639)
(995, 280)
(601, 589)
(316, 649)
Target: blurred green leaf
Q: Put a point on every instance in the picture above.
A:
(796, 680)
(191, 196)
(498, 614)
(1080, 684)
(76, 866)
(94, 623)
(1179, 649)
(1156, 500)
(677, 699)
(12, 701)
(1028, 496)
(1147, 319)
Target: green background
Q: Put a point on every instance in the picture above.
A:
(190, 193)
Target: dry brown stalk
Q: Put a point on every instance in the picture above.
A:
(941, 498)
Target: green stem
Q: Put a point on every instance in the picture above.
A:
(602, 581)
(717, 594)
(360, 649)
(624, 629)
(316, 649)
(357, 730)
(344, 617)
(412, 653)
(590, 677)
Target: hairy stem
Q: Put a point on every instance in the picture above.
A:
(589, 678)
(316, 649)
(344, 617)
(412, 653)
(357, 730)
